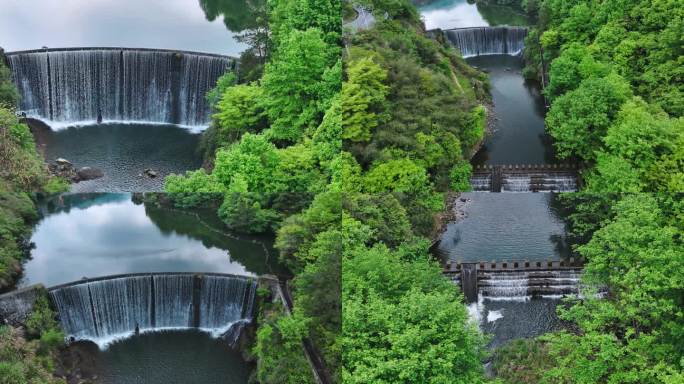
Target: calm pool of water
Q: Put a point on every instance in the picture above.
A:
(91, 235)
(123, 152)
(506, 226)
(519, 135)
(171, 357)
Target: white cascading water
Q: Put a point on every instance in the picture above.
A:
(106, 310)
(516, 183)
(511, 285)
(173, 313)
(541, 183)
(73, 87)
(480, 41)
(481, 183)
(520, 285)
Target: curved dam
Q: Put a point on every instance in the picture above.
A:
(482, 41)
(77, 86)
(112, 307)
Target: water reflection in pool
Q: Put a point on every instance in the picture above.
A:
(505, 226)
(105, 234)
(447, 14)
(168, 24)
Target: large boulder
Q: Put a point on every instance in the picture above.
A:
(88, 173)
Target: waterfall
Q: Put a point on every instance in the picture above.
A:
(112, 308)
(510, 285)
(218, 305)
(539, 183)
(521, 285)
(71, 87)
(173, 301)
(479, 41)
(481, 183)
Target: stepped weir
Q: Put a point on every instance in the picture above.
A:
(85, 85)
(480, 41)
(106, 308)
(515, 280)
(525, 178)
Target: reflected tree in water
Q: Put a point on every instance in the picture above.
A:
(248, 18)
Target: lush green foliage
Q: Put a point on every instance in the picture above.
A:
(616, 86)
(279, 349)
(522, 361)
(407, 96)
(412, 116)
(25, 361)
(8, 92)
(363, 96)
(402, 321)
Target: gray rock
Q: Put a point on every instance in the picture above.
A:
(149, 172)
(63, 161)
(88, 173)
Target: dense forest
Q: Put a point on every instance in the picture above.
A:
(615, 85)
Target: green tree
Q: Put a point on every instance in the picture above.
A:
(9, 96)
(363, 99)
(635, 334)
(574, 65)
(404, 323)
(640, 136)
(254, 160)
(579, 119)
(239, 110)
(299, 83)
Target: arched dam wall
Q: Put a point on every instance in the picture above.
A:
(479, 41)
(77, 85)
(114, 306)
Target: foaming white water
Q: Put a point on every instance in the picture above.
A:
(107, 310)
(520, 299)
(105, 342)
(62, 125)
(475, 311)
(493, 316)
